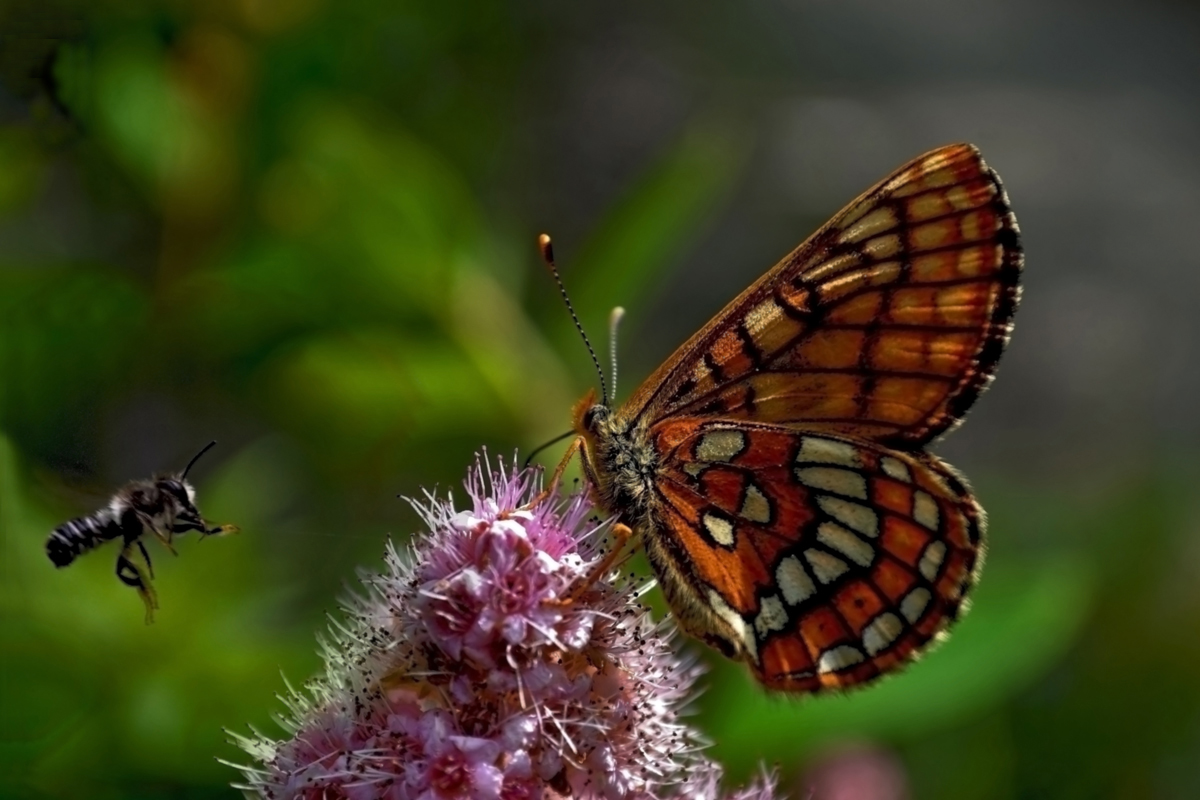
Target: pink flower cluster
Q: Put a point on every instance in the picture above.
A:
(488, 663)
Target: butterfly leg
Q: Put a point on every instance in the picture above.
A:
(621, 533)
(556, 477)
(133, 575)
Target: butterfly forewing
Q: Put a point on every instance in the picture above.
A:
(886, 324)
(828, 560)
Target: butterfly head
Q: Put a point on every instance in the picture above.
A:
(590, 415)
(618, 458)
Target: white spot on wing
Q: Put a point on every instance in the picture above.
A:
(828, 568)
(793, 581)
(882, 247)
(838, 658)
(925, 510)
(880, 220)
(856, 212)
(881, 632)
(756, 507)
(762, 315)
(914, 603)
(852, 515)
(846, 543)
(721, 530)
(735, 621)
(771, 617)
(720, 445)
(931, 560)
(814, 449)
(895, 468)
(832, 479)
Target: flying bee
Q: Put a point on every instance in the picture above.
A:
(162, 506)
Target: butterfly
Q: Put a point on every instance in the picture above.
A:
(775, 466)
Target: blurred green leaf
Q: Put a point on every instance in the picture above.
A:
(74, 78)
(365, 225)
(66, 335)
(370, 389)
(405, 214)
(655, 224)
(21, 166)
(149, 124)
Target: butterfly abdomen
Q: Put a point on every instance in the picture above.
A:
(75, 537)
(624, 472)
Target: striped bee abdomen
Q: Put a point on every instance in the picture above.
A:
(73, 538)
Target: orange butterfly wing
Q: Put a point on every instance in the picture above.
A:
(774, 464)
(827, 561)
(886, 324)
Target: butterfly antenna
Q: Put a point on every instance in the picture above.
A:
(614, 321)
(196, 458)
(547, 250)
(543, 446)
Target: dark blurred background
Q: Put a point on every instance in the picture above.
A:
(305, 229)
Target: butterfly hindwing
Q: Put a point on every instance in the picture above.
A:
(885, 325)
(823, 561)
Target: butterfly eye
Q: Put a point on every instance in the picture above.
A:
(593, 416)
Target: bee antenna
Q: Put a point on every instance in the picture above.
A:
(547, 250)
(614, 321)
(543, 446)
(196, 458)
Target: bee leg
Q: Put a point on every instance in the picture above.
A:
(165, 538)
(147, 523)
(132, 575)
(146, 555)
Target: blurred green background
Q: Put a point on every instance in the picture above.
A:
(305, 229)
